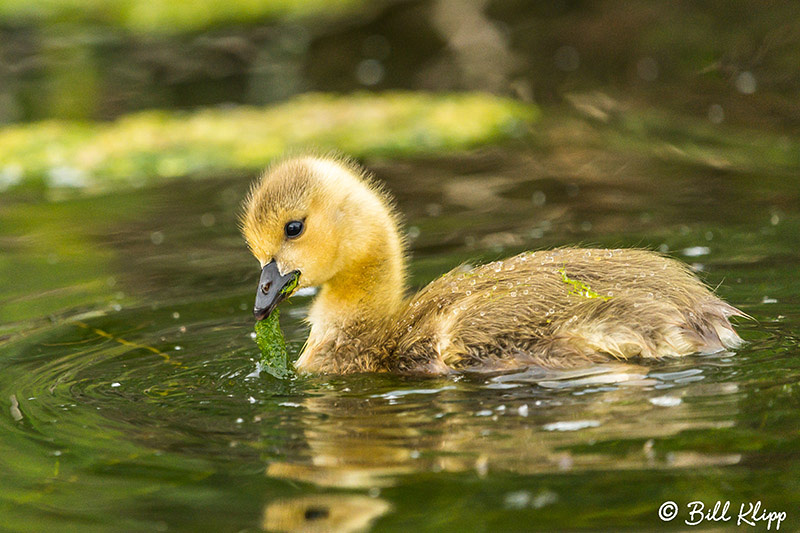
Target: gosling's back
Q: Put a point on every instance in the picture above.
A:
(558, 309)
(562, 308)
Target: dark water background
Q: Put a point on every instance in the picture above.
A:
(126, 353)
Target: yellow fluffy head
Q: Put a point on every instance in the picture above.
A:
(346, 218)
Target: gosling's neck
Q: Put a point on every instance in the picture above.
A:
(370, 291)
(370, 288)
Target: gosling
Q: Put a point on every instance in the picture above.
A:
(327, 221)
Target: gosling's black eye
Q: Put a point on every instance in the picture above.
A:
(294, 228)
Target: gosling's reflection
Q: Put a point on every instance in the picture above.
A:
(339, 513)
(525, 423)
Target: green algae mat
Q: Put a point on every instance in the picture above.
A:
(156, 145)
(169, 17)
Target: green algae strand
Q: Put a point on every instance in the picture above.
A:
(274, 357)
(580, 288)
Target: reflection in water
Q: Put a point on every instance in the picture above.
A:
(331, 513)
(535, 421)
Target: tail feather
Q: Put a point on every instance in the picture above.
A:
(715, 331)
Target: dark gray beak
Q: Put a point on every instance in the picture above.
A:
(273, 289)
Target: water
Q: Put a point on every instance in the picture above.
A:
(125, 359)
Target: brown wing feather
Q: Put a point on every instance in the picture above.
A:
(563, 308)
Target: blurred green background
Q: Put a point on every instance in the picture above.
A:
(79, 80)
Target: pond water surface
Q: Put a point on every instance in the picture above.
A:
(129, 401)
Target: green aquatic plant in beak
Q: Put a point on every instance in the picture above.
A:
(269, 337)
(274, 357)
(291, 285)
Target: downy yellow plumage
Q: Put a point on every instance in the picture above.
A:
(557, 308)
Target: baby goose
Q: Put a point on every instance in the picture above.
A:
(325, 220)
